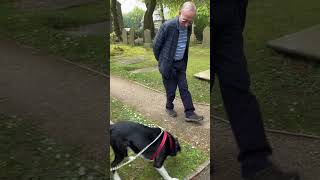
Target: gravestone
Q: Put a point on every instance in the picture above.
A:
(147, 38)
(138, 41)
(206, 37)
(124, 36)
(193, 38)
(131, 37)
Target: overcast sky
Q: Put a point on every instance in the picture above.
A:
(128, 5)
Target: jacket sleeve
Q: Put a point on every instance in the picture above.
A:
(158, 42)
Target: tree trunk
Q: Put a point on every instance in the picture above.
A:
(162, 13)
(148, 19)
(116, 25)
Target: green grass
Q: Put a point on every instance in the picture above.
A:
(288, 88)
(199, 60)
(42, 31)
(180, 166)
(27, 153)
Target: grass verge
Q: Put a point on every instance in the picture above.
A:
(27, 153)
(179, 167)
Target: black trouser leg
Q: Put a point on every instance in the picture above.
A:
(229, 63)
(170, 84)
(183, 89)
(178, 79)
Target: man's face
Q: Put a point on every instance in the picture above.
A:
(186, 17)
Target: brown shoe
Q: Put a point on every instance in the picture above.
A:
(171, 112)
(194, 118)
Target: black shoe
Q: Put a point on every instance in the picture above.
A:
(274, 173)
(194, 118)
(171, 112)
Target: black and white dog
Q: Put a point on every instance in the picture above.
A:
(126, 134)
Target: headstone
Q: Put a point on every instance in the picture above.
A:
(206, 37)
(124, 36)
(131, 37)
(147, 38)
(193, 38)
(138, 41)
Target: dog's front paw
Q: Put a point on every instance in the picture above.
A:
(174, 179)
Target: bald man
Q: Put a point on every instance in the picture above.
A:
(170, 47)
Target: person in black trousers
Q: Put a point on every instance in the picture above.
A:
(170, 47)
(228, 62)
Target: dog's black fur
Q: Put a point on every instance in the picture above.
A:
(137, 136)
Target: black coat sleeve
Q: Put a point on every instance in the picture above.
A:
(158, 42)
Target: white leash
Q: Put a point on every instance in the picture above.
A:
(135, 157)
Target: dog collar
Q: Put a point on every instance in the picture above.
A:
(165, 135)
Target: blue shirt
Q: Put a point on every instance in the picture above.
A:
(182, 43)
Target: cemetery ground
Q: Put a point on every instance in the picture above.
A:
(126, 61)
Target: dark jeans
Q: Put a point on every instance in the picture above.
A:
(178, 79)
(228, 62)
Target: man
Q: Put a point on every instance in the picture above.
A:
(171, 46)
(229, 63)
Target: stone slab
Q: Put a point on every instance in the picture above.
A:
(90, 29)
(305, 43)
(203, 75)
(131, 61)
(143, 70)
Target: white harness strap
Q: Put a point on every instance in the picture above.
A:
(135, 157)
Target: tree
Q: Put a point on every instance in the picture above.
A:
(133, 18)
(116, 24)
(148, 18)
(161, 11)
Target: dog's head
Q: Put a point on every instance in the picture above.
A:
(175, 146)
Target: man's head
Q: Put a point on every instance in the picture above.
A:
(187, 12)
